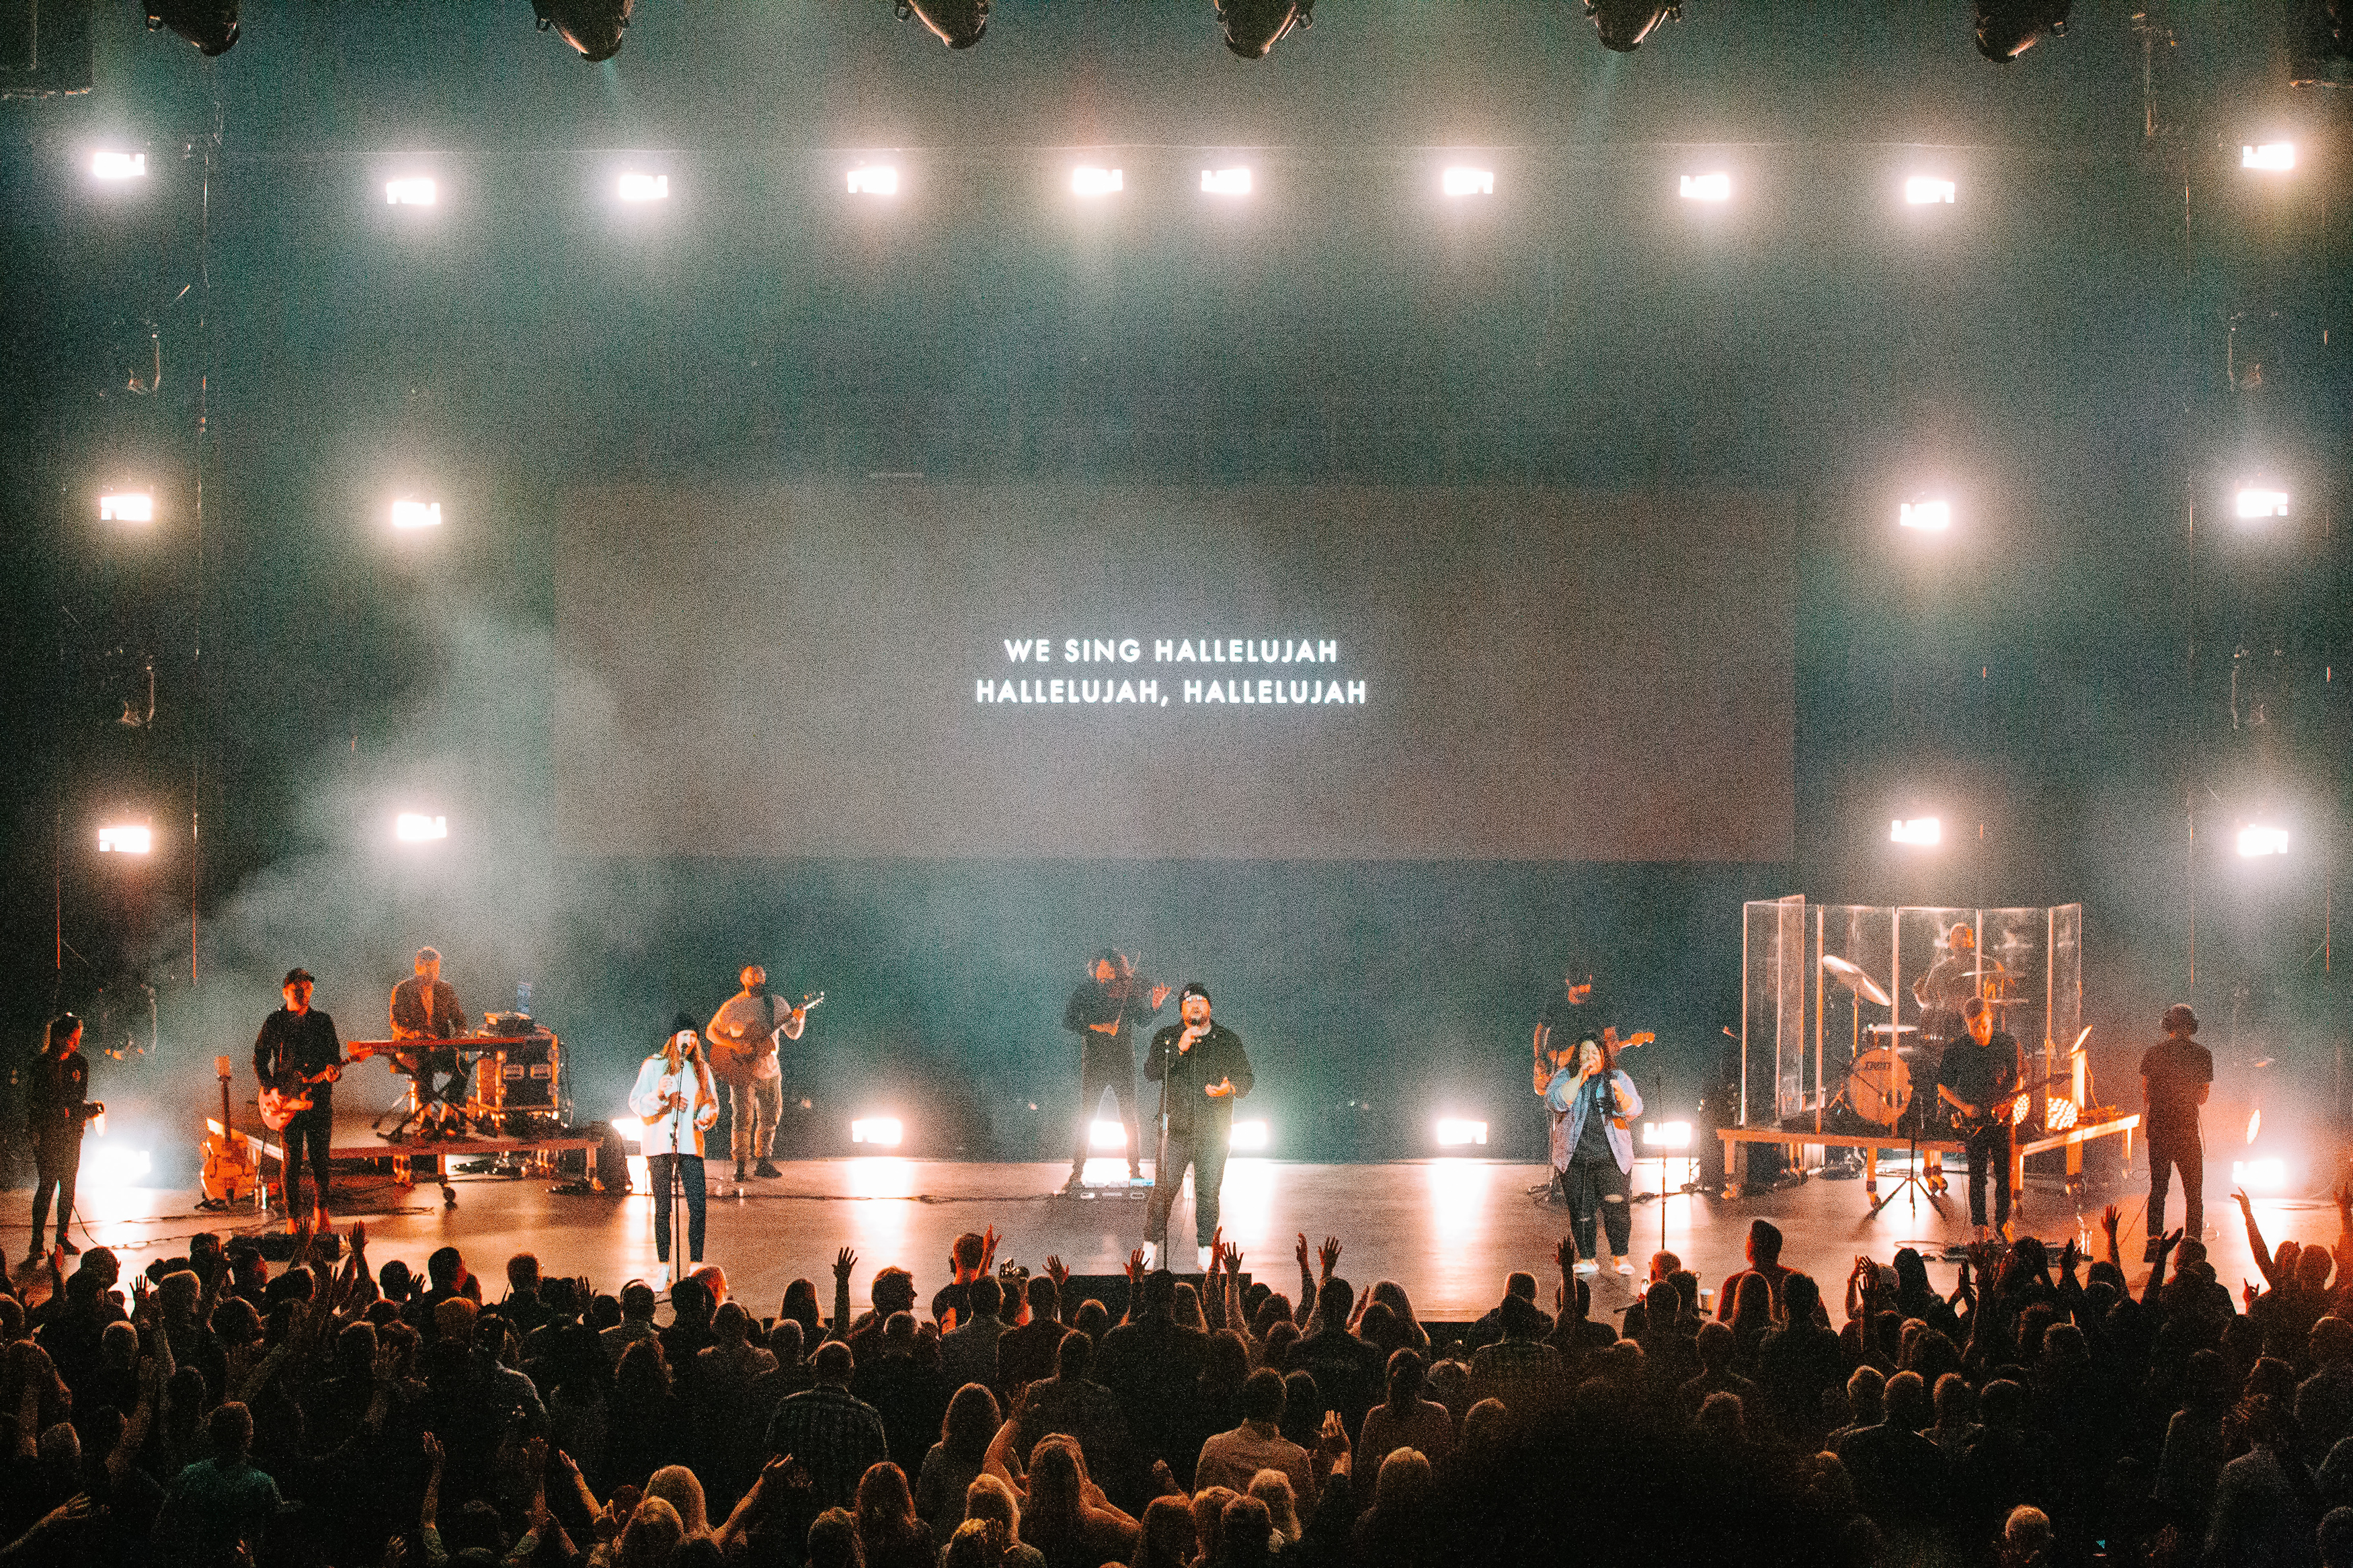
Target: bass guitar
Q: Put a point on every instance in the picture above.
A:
(735, 1056)
(280, 1107)
(2003, 1107)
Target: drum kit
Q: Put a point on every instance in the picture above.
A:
(1890, 1086)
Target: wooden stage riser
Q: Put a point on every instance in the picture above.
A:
(1736, 1139)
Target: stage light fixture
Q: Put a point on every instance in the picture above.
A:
(1666, 1134)
(1106, 1135)
(415, 827)
(959, 23)
(1709, 187)
(2254, 503)
(1249, 1135)
(2268, 1175)
(874, 180)
(414, 190)
(1467, 182)
(1624, 23)
(210, 25)
(1934, 516)
(1454, 1132)
(1226, 182)
(106, 1168)
(2008, 28)
(1927, 190)
(131, 506)
(1254, 27)
(1086, 180)
(2058, 1113)
(1920, 832)
(119, 165)
(592, 26)
(408, 514)
(645, 188)
(2259, 841)
(128, 838)
(879, 1132)
(2270, 158)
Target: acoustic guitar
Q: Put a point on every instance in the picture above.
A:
(231, 1173)
(733, 1056)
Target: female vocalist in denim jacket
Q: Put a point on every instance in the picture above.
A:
(1592, 1150)
(675, 1098)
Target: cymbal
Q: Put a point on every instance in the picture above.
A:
(1850, 976)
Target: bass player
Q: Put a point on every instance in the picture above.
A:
(298, 1056)
(744, 1035)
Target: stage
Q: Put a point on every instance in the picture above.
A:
(1448, 1230)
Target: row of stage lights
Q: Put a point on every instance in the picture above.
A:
(2255, 840)
(1250, 28)
(1094, 182)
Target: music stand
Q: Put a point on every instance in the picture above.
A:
(1911, 1180)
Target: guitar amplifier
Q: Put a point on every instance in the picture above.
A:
(527, 1072)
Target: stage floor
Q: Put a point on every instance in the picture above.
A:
(1448, 1230)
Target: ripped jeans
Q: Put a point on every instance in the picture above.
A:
(1596, 1189)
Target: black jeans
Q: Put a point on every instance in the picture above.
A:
(1202, 1146)
(1597, 1190)
(1109, 1067)
(306, 1138)
(2189, 1155)
(1988, 1151)
(57, 1162)
(687, 1169)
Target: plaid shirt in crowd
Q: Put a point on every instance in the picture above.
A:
(836, 1435)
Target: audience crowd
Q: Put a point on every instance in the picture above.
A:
(341, 1412)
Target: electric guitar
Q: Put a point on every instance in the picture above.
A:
(733, 1056)
(1553, 1060)
(2002, 1108)
(280, 1107)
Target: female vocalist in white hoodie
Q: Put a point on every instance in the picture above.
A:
(677, 1101)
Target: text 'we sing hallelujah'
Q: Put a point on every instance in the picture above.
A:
(1110, 689)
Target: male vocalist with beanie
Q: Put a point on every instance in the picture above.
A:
(2175, 1076)
(1201, 1071)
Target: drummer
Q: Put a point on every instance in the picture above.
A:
(1949, 983)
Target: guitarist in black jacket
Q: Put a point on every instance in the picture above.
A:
(1979, 1080)
(57, 1108)
(298, 1052)
(1202, 1070)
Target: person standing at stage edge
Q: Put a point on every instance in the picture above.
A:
(1100, 1012)
(298, 1052)
(1201, 1071)
(743, 1056)
(2175, 1076)
(57, 1108)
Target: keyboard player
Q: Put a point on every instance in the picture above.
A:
(425, 1011)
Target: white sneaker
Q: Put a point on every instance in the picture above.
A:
(1624, 1266)
(1201, 1259)
(1588, 1265)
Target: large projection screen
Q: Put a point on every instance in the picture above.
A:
(901, 668)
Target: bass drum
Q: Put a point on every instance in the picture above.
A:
(1879, 1087)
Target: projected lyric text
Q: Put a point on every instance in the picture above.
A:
(1115, 672)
